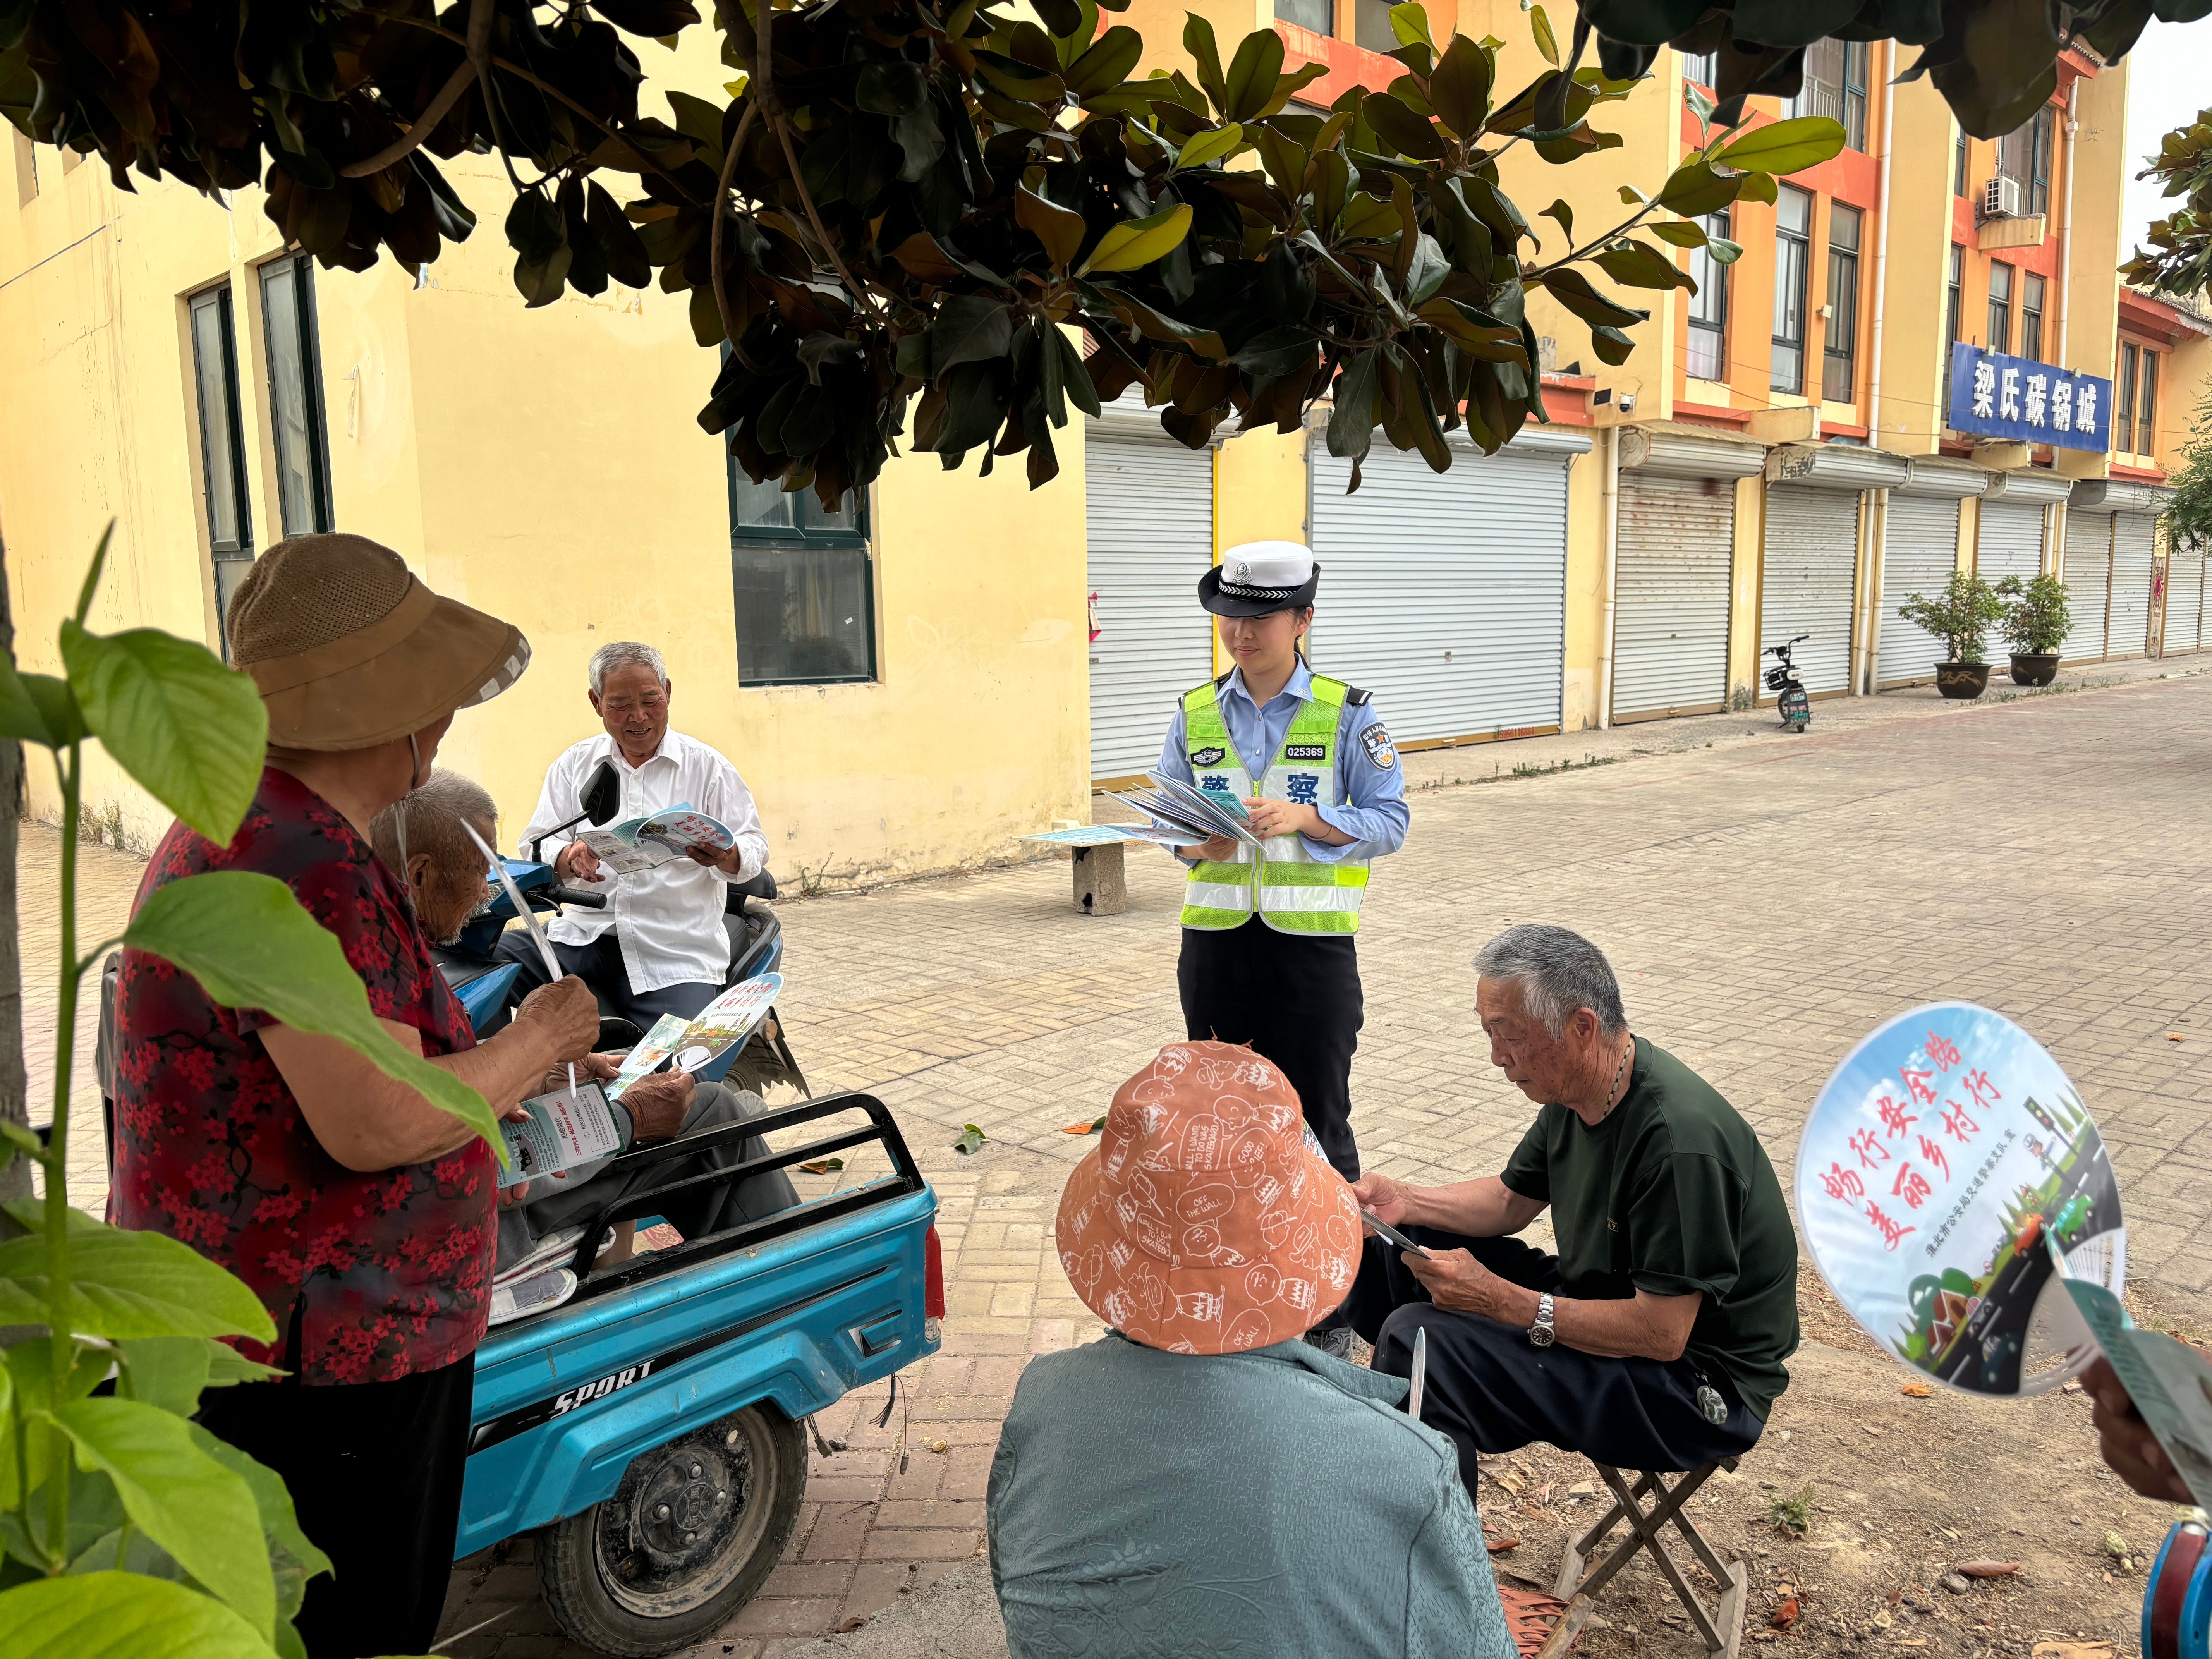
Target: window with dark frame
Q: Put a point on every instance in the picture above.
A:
(1959, 165)
(1700, 67)
(1955, 305)
(1821, 90)
(1708, 308)
(1372, 25)
(2000, 335)
(1855, 95)
(1839, 339)
(2031, 316)
(805, 586)
(222, 447)
(1793, 253)
(295, 396)
(2147, 406)
(2124, 395)
(1319, 16)
(2024, 155)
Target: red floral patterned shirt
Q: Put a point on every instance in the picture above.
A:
(368, 1276)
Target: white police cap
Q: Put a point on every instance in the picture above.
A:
(1256, 578)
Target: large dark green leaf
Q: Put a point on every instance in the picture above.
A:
(1351, 421)
(191, 731)
(1198, 41)
(1398, 127)
(1572, 290)
(1782, 147)
(1110, 58)
(250, 944)
(1637, 265)
(1252, 73)
(1459, 90)
(969, 329)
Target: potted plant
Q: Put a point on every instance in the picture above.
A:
(1961, 616)
(2036, 620)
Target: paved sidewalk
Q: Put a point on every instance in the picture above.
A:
(1767, 899)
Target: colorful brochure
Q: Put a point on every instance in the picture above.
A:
(564, 1128)
(657, 838)
(1945, 1151)
(695, 1045)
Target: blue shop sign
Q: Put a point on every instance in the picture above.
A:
(1996, 396)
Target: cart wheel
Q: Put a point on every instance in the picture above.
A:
(687, 1539)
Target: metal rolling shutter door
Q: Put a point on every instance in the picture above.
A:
(2133, 548)
(1812, 559)
(2088, 571)
(1445, 596)
(2009, 542)
(1920, 552)
(1149, 514)
(1671, 595)
(2184, 601)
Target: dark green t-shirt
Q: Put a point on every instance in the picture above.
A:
(1672, 1194)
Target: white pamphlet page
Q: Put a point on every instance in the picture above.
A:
(566, 1127)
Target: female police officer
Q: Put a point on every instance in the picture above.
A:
(1268, 953)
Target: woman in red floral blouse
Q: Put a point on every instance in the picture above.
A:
(361, 1214)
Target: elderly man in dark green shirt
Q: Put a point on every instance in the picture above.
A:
(1654, 1339)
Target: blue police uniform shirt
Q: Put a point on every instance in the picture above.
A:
(1371, 798)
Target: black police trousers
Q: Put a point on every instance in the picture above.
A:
(1294, 998)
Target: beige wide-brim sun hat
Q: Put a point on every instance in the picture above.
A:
(350, 650)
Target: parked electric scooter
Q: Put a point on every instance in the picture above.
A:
(1797, 709)
(486, 986)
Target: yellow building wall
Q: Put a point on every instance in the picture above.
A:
(545, 466)
(1579, 708)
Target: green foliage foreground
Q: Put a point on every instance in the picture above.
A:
(126, 1529)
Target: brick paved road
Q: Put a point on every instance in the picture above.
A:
(1767, 900)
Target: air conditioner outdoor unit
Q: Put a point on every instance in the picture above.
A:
(2001, 199)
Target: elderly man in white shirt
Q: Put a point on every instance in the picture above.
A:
(659, 947)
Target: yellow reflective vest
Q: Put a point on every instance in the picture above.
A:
(1293, 892)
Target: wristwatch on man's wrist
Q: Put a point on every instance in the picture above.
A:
(1541, 1334)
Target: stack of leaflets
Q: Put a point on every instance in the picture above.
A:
(1958, 1197)
(720, 1029)
(658, 838)
(1184, 816)
(539, 1280)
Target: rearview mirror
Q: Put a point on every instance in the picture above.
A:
(602, 797)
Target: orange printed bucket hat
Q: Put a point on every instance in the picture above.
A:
(1205, 1222)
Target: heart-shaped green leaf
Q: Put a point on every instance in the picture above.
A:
(189, 729)
(194, 1507)
(127, 1284)
(121, 1615)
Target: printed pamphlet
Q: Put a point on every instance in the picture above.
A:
(695, 1045)
(659, 1043)
(657, 838)
(2170, 1381)
(1943, 1162)
(564, 1128)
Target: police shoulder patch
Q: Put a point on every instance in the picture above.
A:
(1380, 750)
(1205, 756)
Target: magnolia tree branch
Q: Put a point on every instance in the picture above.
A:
(469, 68)
(715, 235)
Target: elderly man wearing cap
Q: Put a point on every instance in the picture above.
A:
(1268, 953)
(362, 1215)
(1198, 1480)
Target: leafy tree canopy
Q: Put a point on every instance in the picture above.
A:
(914, 194)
